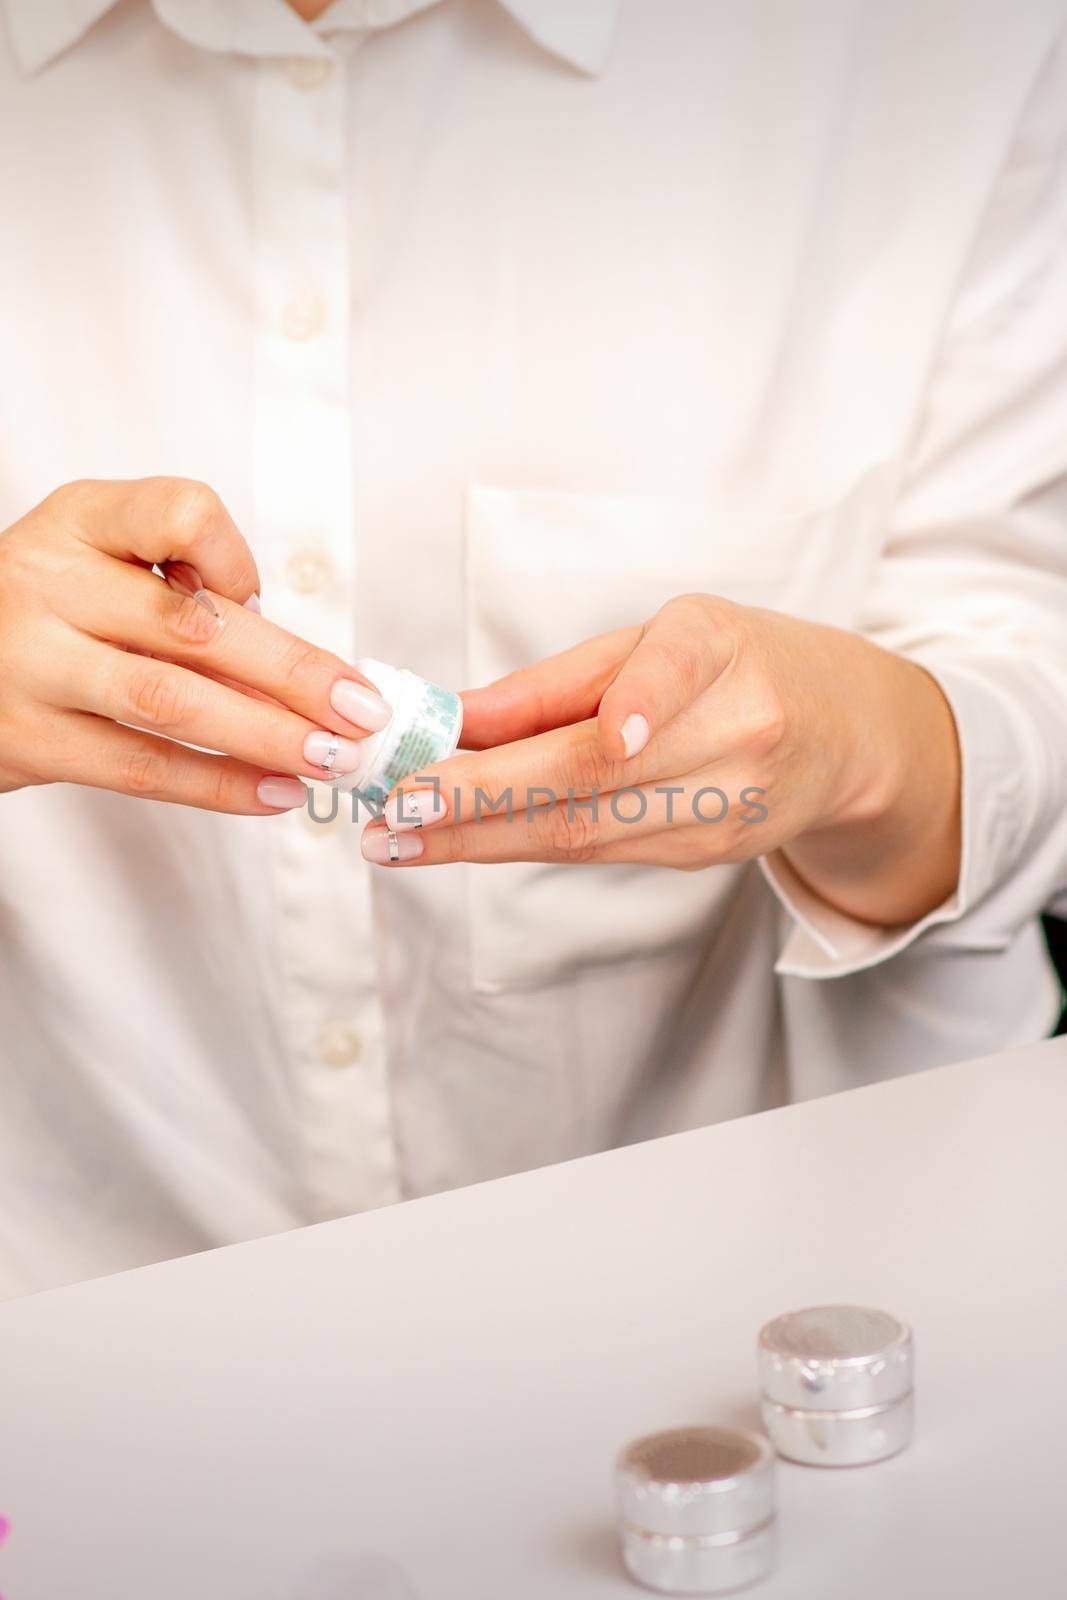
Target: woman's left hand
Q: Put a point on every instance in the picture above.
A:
(713, 733)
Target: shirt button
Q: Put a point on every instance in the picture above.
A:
(308, 570)
(303, 316)
(308, 72)
(340, 1044)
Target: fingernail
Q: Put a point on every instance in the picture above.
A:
(282, 793)
(385, 849)
(182, 578)
(252, 604)
(634, 732)
(332, 753)
(419, 808)
(360, 705)
(207, 602)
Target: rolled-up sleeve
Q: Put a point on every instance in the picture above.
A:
(972, 580)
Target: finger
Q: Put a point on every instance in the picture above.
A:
(530, 772)
(217, 636)
(550, 766)
(184, 579)
(606, 826)
(682, 651)
(156, 520)
(684, 849)
(103, 755)
(562, 689)
(219, 677)
(164, 699)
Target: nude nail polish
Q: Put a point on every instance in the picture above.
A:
(333, 753)
(419, 808)
(386, 847)
(182, 578)
(635, 734)
(360, 705)
(252, 604)
(282, 793)
(207, 602)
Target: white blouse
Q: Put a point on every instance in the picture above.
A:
(496, 325)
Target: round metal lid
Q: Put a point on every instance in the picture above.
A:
(696, 1482)
(836, 1358)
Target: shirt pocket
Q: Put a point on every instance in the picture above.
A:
(545, 570)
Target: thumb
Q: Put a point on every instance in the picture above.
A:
(558, 691)
(679, 654)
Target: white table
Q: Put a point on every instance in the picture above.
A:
(441, 1387)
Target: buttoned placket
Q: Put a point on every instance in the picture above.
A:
(329, 1007)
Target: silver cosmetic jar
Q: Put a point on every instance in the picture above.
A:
(837, 1385)
(696, 1510)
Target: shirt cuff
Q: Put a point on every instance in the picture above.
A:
(1001, 775)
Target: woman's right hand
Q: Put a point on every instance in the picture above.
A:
(104, 666)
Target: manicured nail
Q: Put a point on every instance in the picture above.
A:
(360, 705)
(385, 848)
(252, 604)
(282, 793)
(332, 753)
(419, 808)
(634, 732)
(182, 578)
(207, 602)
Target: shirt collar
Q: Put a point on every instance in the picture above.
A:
(579, 31)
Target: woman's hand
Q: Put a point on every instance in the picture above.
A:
(714, 733)
(103, 665)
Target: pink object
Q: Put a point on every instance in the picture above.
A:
(419, 808)
(282, 793)
(360, 705)
(329, 750)
(634, 734)
(181, 577)
(386, 849)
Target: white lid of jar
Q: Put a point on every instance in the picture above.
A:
(417, 720)
(836, 1358)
